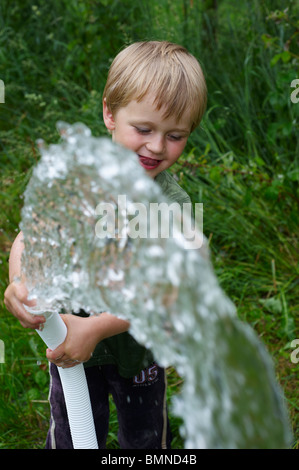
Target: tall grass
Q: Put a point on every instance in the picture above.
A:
(242, 163)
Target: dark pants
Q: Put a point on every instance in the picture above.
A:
(140, 402)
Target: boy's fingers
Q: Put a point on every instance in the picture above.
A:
(60, 358)
(14, 297)
(22, 294)
(57, 354)
(29, 321)
(38, 322)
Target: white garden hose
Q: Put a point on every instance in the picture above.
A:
(74, 385)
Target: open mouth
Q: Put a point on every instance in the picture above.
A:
(149, 163)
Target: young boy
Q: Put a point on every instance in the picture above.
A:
(155, 96)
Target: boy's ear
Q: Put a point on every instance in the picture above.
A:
(108, 117)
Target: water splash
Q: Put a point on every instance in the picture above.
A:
(230, 398)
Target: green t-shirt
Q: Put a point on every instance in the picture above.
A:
(171, 188)
(122, 349)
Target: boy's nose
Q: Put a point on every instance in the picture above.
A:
(156, 144)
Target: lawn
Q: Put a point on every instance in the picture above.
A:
(242, 163)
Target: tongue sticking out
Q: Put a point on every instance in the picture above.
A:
(149, 161)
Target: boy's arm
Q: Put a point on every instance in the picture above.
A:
(15, 257)
(16, 293)
(83, 334)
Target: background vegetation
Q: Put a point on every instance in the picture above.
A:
(242, 163)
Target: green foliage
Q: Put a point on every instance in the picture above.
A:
(242, 163)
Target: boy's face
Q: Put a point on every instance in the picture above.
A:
(158, 142)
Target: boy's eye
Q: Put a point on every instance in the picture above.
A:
(175, 137)
(142, 130)
(145, 131)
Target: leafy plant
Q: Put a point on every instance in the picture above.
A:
(242, 163)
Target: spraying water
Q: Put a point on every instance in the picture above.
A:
(170, 294)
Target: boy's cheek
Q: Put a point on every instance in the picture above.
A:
(126, 139)
(177, 152)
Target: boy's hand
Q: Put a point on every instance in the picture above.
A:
(79, 343)
(14, 298)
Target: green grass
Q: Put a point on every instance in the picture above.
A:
(242, 163)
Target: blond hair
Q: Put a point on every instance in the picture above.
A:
(166, 70)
